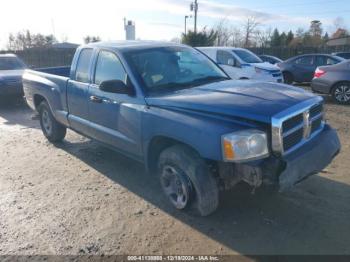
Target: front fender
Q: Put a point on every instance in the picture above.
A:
(200, 132)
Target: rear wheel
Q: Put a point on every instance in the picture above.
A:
(187, 181)
(53, 131)
(288, 78)
(341, 93)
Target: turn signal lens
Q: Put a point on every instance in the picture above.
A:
(228, 150)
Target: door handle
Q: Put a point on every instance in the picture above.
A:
(96, 99)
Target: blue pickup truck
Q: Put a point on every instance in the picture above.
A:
(172, 108)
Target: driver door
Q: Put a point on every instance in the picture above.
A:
(106, 111)
(229, 64)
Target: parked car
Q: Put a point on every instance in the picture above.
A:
(241, 63)
(173, 109)
(301, 68)
(345, 55)
(11, 71)
(333, 80)
(270, 59)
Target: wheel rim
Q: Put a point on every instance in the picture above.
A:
(176, 186)
(47, 123)
(342, 93)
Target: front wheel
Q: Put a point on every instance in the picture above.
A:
(53, 131)
(187, 181)
(341, 93)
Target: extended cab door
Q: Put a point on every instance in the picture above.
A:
(114, 117)
(77, 92)
(229, 64)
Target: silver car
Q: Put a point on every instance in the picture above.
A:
(333, 80)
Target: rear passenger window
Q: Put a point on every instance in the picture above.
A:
(305, 60)
(82, 71)
(109, 67)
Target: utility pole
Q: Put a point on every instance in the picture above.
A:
(194, 8)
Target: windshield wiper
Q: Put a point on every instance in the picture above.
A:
(195, 82)
(207, 79)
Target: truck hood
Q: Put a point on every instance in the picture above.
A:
(253, 100)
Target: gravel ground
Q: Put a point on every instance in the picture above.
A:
(81, 198)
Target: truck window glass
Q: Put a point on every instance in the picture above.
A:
(109, 67)
(172, 68)
(305, 60)
(223, 57)
(247, 56)
(82, 71)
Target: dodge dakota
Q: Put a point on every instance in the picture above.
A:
(172, 108)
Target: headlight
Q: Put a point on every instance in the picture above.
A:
(244, 145)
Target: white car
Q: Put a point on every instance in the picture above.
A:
(240, 63)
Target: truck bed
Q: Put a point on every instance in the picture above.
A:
(60, 70)
(51, 84)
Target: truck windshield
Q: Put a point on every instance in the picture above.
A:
(10, 63)
(247, 56)
(171, 68)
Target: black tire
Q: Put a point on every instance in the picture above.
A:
(341, 93)
(195, 178)
(53, 131)
(288, 78)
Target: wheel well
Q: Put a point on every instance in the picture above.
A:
(38, 99)
(156, 146)
(337, 83)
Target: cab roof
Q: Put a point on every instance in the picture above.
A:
(128, 44)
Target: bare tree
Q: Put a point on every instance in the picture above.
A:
(250, 29)
(339, 22)
(264, 37)
(24, 40)
(223, 33)
(91, 39)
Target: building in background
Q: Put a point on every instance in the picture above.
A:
(129, 27)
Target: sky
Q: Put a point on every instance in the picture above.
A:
(158, 19)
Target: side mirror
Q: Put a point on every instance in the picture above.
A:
(116, 87)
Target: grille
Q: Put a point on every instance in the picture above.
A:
(292, 139)
(316, 125)
(292, 123)
(316, 110)
(276, 74)
(301, 127)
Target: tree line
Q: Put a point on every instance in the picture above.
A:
(252, 33)
(26, 40)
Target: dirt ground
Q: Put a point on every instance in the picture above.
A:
(81, 198)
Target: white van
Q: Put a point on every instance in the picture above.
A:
(240, 63)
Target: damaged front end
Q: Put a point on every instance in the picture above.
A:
(285, 171)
